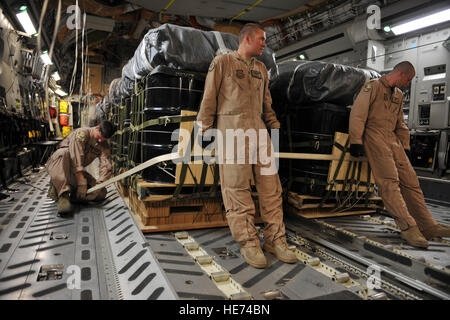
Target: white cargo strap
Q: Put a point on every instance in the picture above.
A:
(222, 49)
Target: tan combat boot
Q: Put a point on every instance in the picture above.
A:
(437, 231)
(64, 205)
(414, 237)
(280, 249)
(52, 194)
(254, 257)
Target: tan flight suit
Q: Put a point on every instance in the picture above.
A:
(376, 121)
(73, 154)
(237, 96)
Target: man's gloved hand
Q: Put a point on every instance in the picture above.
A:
(408, 154)
(81, 192)
(357, 150)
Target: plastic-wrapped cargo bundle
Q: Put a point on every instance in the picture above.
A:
(302, 82)
(100, 111)
(182, 48)
(103, 108)
(114, 91)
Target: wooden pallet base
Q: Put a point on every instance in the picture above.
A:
(308, 206)
(301, 202)
(158, 216)
(149, 191)
(315, 213)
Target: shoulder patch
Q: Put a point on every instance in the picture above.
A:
(368, 87)
(81, 136)
(212, 66)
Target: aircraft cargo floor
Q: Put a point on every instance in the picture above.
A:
(98, 252)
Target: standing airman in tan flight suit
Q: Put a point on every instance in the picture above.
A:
(66, 166)
(237, 96)
(377, 129)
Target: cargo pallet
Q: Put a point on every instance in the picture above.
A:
(350, 187)
(156, 213)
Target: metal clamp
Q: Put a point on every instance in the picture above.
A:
(191, 246)
(166, 120)
(203, 260)
(341, 277)
(182, 235)
(313, 261)
(220, 276)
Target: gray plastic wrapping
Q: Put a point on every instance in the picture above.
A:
(100, 111)
(103, 108)
(182, 48)
(114, 91)
(306, 82)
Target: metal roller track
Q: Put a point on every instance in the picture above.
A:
(400, 276)
(338, 257)
(97, 252)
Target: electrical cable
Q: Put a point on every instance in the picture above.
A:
(82, 58)
(74, 72)
(165, 9)
(47, 68)
(246, 10)
(317, 18)
(41, 20)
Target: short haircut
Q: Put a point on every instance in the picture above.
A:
(106, 129)
(406, 67)
(249, 28)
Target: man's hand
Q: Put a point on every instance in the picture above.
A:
(80, 178)
(81, 191)
(357, 150)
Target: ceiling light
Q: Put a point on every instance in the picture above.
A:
(61, 93)
(56, 76)
(420, 23)
(25, 21)
(387, 28)
(45, 58)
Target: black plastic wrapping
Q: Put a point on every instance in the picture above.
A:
(305, 82)
(320, 117)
